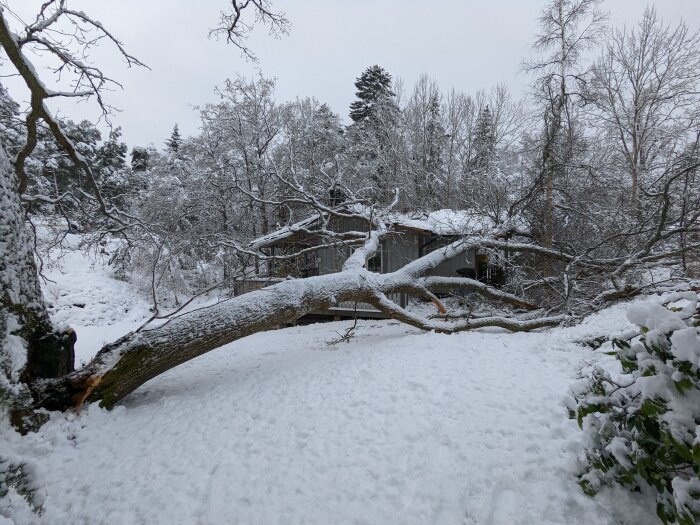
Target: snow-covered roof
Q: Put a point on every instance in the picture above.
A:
(282, 233)
(444, 222)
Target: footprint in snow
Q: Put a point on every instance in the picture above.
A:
(506, 507)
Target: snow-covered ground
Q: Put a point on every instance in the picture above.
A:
(396, 426)
(82, 293)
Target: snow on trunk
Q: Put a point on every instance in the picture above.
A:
(29, 347)
(122, 366)
(22, 307)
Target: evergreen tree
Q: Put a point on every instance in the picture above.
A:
(174, 142)
(435, 137)
(326, 134)
(60, 172)
(373, 87)
(329, 121)
(111, 169)
(139, 159)
(375, 118)
(424, 135)
(112, 154)
(484, 147)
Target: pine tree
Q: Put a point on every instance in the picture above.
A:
(112, 154)
(484, 148)
(139, 158)
(174, 142)
(111, 168)
(373, 87)
(329, 121)
(435, 137)
(58, 169)
(425, 141)
(375, 118)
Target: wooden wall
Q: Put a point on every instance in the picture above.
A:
(449, 268)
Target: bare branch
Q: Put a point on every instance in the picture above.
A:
(236, 29)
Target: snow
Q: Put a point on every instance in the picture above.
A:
(619, 448)
(444, 222)
(82, 293)
(283, 233)
(15, 355)
(396, 426)
(654, 317)
(686, 345)
(667, 325)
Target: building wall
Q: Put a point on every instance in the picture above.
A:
(449, 268)
(398, 249)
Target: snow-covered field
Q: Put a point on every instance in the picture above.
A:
(396, 426)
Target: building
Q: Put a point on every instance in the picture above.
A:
(410, 237)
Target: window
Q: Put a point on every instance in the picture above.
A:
(375, 263)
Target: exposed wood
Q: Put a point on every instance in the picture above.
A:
(438, 304)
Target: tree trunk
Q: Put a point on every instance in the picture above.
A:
(548, 221)
(122, 366)
(30, 347)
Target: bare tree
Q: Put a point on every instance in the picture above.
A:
(459, 113)
(426, 141)
(235, 27)
(567, 29)
(645, 89)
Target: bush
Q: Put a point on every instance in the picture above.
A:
(642, 415)
(19, 478)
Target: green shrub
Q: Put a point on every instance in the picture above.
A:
(641, 413)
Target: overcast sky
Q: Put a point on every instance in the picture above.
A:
(465, 44)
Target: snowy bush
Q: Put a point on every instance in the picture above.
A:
(641, 416)
(18, 481)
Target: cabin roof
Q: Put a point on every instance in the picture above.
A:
(283, 233)
(444, 223)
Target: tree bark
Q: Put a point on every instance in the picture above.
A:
(30, 348)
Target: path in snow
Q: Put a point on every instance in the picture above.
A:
(397, 426)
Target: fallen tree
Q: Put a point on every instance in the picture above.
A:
(37, 359)
(122, 366)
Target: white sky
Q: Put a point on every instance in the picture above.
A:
(466, 44)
